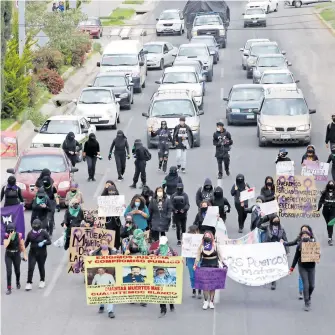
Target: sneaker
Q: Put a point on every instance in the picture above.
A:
(220, 176)
(120, 179)
(330, 242)
(179, 243)
(163, 313)
(211, 305)
(273, 286)
(301, 296)
(183, 170)
(205, 305)
(240, 230)
(101, 309)
(132, 186)
(18, 286)
(111, 315)
(159, 169)
(29, 287)
(42, 284)
(227, 173)
(93, 179)
(178, 168)
(9, 291)
(171, 308)
(173, 226)
(307, 307)
(199, 294)
(194, 293)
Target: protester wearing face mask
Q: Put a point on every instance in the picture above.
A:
(205, 193)
(137, 244)
(38, 239)
(306, 269)
(41, 207)
(183, 140)
(222, 141)
(14, 245)
(12, 193)
(180, 207)
(330, 133)
(74, 193)
(257, 218)
(91, 153)
(200, 217)
(236, 190)
(327, 200)
(274, 232)
(164, 140)
(268, 190)
(310, 155)
(221, 202)
(282, 156)
(171, 181)
(107, 185)
(331, 159)
(139, 211)
(208, 257)
(129, 227)
(121, 152)
(160, 209)
(71, 148)
(46, 173)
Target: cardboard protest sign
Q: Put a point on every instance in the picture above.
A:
(133, 279)
(211, 217)
(250, 238)
(317, 169)
(255, 264)
(91, 216)
(248, 194)
(210, 279)
(9, 146)
(113, 205)
(190, 245)
(270, 207)
(310, 252)
(285, 168)
(297, 197)
(82, 242)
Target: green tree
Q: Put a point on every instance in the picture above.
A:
(35, 15)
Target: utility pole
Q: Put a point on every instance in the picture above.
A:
(22, 25)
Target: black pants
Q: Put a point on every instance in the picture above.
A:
(163, 307)
(140, 170)
(73, 159)
(241, 215)
(333, 172)
(39, 257)
(155, 235)
(328, 214)
(225, 160)
(120, 160)
(51, 218)
(12, 259)
(180, 222)
(308, 279)
(91, 163)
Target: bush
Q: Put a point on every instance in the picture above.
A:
(79, 54)
(49, 58)
(35, 116)
(97, 47)
(32, 91)
(52, 80)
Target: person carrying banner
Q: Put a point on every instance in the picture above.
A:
(306, 269)
(137, 244)
(268, 190)
(41, 207)
(327, 200)
(14, 246)
(74, 192)
(220, 201)
(139, 211)
(208, 256)
(38, 239)
(12, 193)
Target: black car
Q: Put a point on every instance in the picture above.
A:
(121, 85)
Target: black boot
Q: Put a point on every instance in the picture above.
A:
(133, 185)
(194, 293)
(171, 308)
(227, 172)
(163, 312)
(9, 291)
(273, 286)
(164, 166)
(199, 294)
(160, 165)
(220, 175)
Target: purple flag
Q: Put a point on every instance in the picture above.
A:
(210, 279)
(14, 215)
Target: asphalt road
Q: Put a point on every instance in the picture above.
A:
(60, 309)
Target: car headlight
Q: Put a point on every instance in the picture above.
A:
(124, 95)
(222, 32)
(21, 185)
(235, 110)
(267, 128)
(37, 145)
(64, 184)
(304, 127)
(194, 33)
(195, 128)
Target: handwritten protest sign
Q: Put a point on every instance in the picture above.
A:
(285, 168)
(317, 169)
(248, 194)
(221, 233)
(296, 196)
(310, 252)
(157, 280)
(269, 207)
(91, 216)
(255, 264)
(113, 205)
(9, 145)
(211, 217)
(82, 242)
(250, 238)
(210, 279)
(190, 245)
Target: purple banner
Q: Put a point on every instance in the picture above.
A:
(14, 215)
(210, 279)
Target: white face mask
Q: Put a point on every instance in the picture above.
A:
(160, 194)
(218, 129)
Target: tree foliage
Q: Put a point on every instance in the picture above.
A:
(35, 12)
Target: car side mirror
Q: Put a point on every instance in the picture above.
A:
(201, 80)
(283, 52)
(311, 111)
(289, 64)
(157, 19)
(85, 131)
(98, 64)
(158, 81)
(225, 99)
(36, 130)
(212, 53)
(131, 84)
(145, 52)
(74, 169)
(75, 101)
(243, 13)
(10, 171)
(90, 85)
(174, 55)
(166, 51)
(145, 114)
(141, 63)
(246, 54)
(297, 81)
(241, 49)
(201, 112)
(117, 99)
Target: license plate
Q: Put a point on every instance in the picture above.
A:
(254, 21)
(250, 116)
(95, 120)
(285, 137)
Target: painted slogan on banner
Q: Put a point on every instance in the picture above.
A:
(91, 217)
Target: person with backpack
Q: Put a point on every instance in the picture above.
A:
(142, 156)
(71, 148)
(330, 133)
(12, 193)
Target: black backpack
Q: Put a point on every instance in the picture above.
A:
(147, 155)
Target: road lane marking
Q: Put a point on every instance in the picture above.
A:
(222, 93)
(222, 72)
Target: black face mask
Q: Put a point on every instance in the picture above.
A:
(333, 119)
(207, 239)
(203, 210)
(40, 197)
(330, 187)
(75, 206)
(36, 227)
(71, 138)
(73, 191)
(93, 138)
(310, 152)
(275, 223)
(305, 239)
(208, 188)
(129, 222)
(239, 181)
(269, 183)
(180, 190)
(164, 125)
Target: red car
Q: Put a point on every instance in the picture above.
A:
(30, 164)
(92, 26)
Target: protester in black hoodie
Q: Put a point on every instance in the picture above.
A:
(268, 190)
(221, 202)
(310, 155)
(91, 153)
(200, 217)
(71, 147)
(121, 152)
(205, 193)
(282, 156)
(180, 207)
(236, 190)
(45, 173)
(41, 207)
(171, 181)
(38, 239)
(11, 193)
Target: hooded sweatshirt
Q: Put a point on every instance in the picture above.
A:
(11, 193)
(241, 186)
(91, 146)
(205, 194)
(220, 201)
(70, 143)
(171, 181)
(164, 135)
(46, 173)
(120, 143)
(39, 212)
(33, 238)
(268, 194)
(139, 151)
(310, 158)
(180, 201)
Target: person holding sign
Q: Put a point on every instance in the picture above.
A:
(200, 217)
(310, 155)
(331, 159)
(257, 218)
(221, 202)
(268, 190)
(139, 211)
(306, 269)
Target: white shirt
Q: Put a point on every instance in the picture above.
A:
(105, 279)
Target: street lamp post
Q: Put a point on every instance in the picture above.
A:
(21, 4)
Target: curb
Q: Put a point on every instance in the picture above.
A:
(325, 23)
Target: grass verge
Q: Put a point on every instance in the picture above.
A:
(328, 15)
(117, 17)
(5, 123)
(324, 5)
(133, 2)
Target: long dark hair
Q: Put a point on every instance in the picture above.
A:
(105, 190)
(309, 229)
(204, 202)
(161, 188)
(137, 196)
(273, 188)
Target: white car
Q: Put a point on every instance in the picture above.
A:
(160, 54)
(54, 130)
(254, 17)
(99, 106)
(274, 78)
(170, 21)
(246, 49)
(267, 5)
(183, 78)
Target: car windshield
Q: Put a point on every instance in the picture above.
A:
(119, 60)
(249, 43)
(252, 11)
(172, 108)
(264, 49)
(277, 78)
(180, 78)
(36, 163)
(271, 61)
(247, 94)
(60, 127)
(154, 48)
(207, 21)
(193, 52)
(208, 41)
(89, 23)
(95, 97)
(169, 16)
(289, 107)
(110, 81)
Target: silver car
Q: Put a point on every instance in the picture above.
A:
(160, 54)
(245, 50)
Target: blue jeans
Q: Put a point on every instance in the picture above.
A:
(190, 264)
(301, 285)
(110, 307)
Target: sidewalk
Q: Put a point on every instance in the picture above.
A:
(326, 14)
